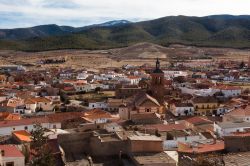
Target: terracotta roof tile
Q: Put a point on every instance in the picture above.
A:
(13, 117)
(198, 121)
(22, 135)
(11, 151)
(201, 148)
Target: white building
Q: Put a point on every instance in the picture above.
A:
(38, 103)
(81, 87)
(11, 156)
(197, 92)
(228, 91)
(132, 80)
(182, 109)
(82, 76)
(173, 74)
(226, 128)
(7, 127)
(170, 144)
(97, 104)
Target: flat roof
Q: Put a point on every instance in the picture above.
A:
(144, 138)
(153, 158)
(226, 125)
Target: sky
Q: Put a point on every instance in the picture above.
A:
(77, 13)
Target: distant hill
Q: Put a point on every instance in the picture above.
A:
(214, 31)
(50, 30)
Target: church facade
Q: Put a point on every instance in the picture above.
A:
(147, 107)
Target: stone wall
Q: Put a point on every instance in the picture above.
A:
(75, 145)
(237, 144)
(110, 148)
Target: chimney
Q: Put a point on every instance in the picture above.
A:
(2, 153)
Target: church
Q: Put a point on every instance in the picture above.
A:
(157, 86)
(147, 107)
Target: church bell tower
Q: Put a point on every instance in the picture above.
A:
(157, 82)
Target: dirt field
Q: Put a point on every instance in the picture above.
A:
(138, 54)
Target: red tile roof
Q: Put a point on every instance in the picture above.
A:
(96, 114)
(22, 135)
(198, 121)
(27, 121)
(243, 111)
(52, 118)
(240, 134)
(13, 117)
(201, 148)
(11, 151)
(226, 87)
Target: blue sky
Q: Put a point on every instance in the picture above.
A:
(26, 13)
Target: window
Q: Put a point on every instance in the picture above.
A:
(9, 163)
(147, 110)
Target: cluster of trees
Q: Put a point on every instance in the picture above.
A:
(41, 152)
(53, 61)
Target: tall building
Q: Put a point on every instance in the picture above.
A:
(157, 83)
(248, 62)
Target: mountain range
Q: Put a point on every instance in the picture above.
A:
(211, 31)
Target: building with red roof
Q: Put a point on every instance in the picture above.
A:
(10, 155)
(201, 147)
(239, 114)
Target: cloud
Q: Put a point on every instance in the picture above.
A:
(23, 13)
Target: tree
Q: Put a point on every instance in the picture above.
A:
(242, 65)
(221, 65)
(42, 155)
(179, 79)
(97, 89)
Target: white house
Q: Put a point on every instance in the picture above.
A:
(82, 76)
(228, 91)
(66, 75)
(132, 80)
(97, 116)
(182, 109)
(81, 87)
(197, 92)
(97, 104)
(171, 74)
(7, 127)
(34, 103)
(170, 144)
(226, 128)
(11, 156)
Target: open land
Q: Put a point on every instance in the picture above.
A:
(139, 54)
